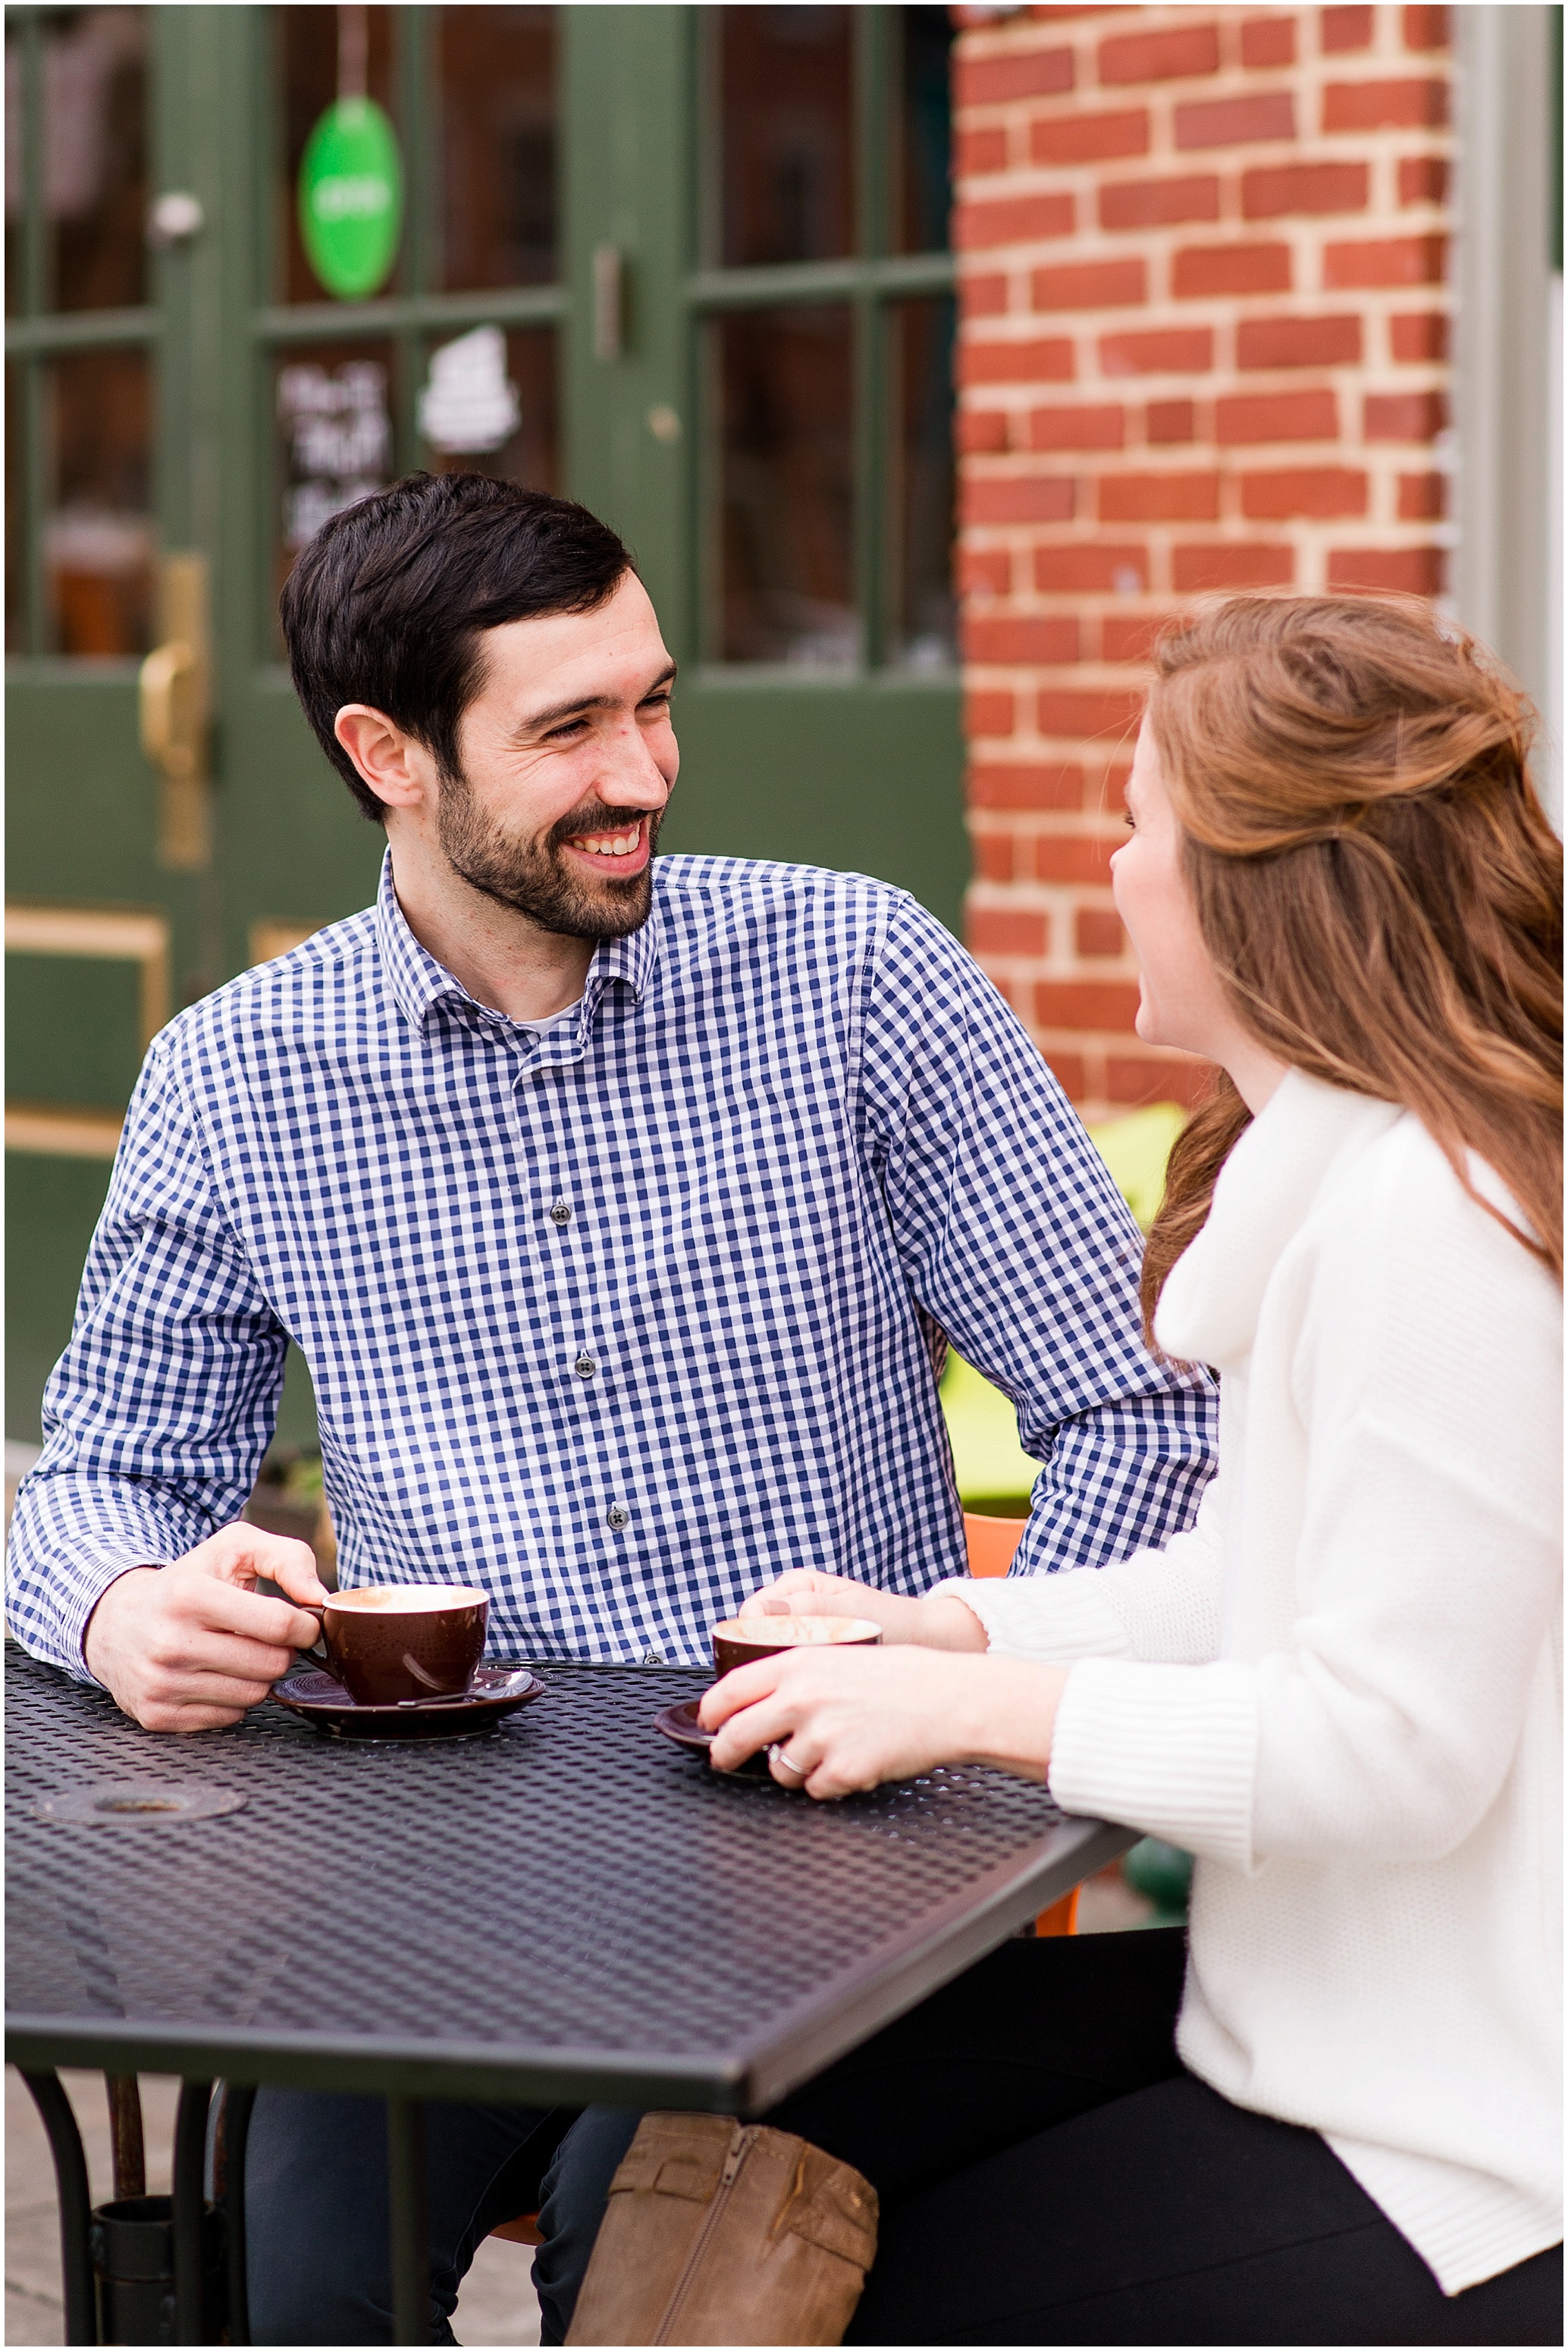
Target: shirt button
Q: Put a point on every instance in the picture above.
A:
(618, 1516)
(654, 1657)
(585, 1367)
(561, 1213)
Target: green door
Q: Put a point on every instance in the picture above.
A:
(110, 919)
(687, 263)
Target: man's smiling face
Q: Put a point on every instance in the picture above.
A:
(568, 759)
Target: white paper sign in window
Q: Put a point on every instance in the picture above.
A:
(470, 405)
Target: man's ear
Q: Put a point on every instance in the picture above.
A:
(398, 768)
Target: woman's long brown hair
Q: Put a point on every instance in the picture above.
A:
(1376, 881)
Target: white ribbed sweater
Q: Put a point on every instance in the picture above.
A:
(1342, 1689)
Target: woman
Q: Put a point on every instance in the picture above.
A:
(1341, 1689)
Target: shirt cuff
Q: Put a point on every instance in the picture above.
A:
(99, 1574)
(1051, 1619)
(1170, 1750)
(72, 1538)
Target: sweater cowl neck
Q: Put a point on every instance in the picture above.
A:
(1210, 1307)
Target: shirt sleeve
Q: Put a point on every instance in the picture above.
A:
(1426, 1582)
(157, 1414)
(1014, 1239)
(1158, 1605)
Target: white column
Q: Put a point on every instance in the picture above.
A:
(1508, 373)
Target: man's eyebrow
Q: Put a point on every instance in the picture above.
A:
(537, 719)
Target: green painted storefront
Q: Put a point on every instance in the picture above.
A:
(654, 345)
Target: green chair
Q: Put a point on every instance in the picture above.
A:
(994, 1474)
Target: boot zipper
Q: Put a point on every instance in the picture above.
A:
(740, 2147)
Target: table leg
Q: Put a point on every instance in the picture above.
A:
(190, 2208)
(76, 2205)
(239, 2097)
(130, 2162)
(410, 2220)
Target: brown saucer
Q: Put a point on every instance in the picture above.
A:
(493, 1692)
(680, 1723)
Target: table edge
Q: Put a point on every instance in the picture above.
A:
(741, 2081)
(942, 1947)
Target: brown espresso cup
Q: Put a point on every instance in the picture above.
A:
(741, 1639)
(390, 1643)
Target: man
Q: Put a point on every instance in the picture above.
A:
(616, 1210)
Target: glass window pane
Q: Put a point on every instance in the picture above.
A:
(95, 157)
(319, 57)
(97, 531)
(15, 519)
(497, 69)
(489, 406)
(923, 130)
(15, 172)
(786, 176)
(785, 507)
(923, 631)
(93, 122)
(334, 437)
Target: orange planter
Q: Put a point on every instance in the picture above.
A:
(992, 1542)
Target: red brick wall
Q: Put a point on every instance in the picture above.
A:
(1202, 347)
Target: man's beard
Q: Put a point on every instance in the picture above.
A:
(533, 877)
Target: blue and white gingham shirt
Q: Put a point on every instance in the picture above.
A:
(619, 1320)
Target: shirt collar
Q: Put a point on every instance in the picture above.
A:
(630, 959)
(418, 981)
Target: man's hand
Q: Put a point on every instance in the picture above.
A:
(937, 1622)
(190, 1646)
(848, 1719)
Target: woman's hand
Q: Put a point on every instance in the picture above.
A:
(936, 1622)
(849, 1719)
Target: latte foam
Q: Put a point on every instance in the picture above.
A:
(405, 1599)
(796, 1630)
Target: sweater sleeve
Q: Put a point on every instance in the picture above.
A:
(1157, 1604)
(1427, 1379)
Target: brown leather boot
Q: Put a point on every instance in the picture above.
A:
(719, 2231)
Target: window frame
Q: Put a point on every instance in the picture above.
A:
(870, 281)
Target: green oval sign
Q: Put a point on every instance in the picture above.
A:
(350, 197)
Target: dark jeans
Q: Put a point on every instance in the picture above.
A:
(318, 2253)
(1049, 2173)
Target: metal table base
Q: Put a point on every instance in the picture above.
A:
(410, 2223)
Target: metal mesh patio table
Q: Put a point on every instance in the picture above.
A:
(566, 1910)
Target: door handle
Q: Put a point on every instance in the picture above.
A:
(170, 709)
(175, 709)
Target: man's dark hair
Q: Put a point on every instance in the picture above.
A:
(387, 603)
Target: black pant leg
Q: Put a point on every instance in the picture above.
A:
(576, 2190)
(1034, 2034)
(1171, 2216)
(319, 2255)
